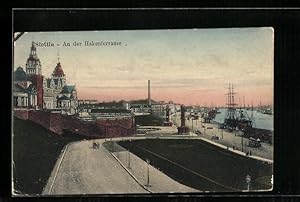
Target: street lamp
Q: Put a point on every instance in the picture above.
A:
(148, 162)
(192, 124)
(222, 132)
(128, 159)
(248, 180)
(242, 139)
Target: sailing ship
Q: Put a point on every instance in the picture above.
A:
(236, 119)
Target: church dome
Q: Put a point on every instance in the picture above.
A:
(58, 71)
(20, 75)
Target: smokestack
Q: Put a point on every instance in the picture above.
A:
(182, 116)
(149, 98)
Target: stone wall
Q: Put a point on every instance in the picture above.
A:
(21, 114)
(40, 117)
(57, 123)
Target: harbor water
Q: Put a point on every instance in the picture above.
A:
(262, 121)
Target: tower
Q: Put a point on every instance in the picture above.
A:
(182, 116)
(59, 76)
(33, 64)
(34, 72)
(149, 97)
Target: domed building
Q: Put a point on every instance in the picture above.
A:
(24, 92)
(31, 89)
(28, 86)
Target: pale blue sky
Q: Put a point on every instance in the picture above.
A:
(191, 59)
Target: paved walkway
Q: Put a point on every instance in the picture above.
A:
(84, 170)
(80, 169)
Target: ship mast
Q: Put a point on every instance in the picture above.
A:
(230, 102)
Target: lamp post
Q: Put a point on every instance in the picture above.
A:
(148, 180)
(128, 158)
(242, 139)
(248, 180)
(221, 131)
(192, 124)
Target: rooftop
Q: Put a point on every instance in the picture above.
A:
(20, 75)
(67, 89)
(110, 111)
(58, 71)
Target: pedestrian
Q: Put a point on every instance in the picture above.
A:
(250, 153)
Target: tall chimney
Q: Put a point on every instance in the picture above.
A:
(182, 117)
(149, 98)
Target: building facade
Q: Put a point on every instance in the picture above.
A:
(24, 92)
(31, 89)
(59, 95)
(34, 74)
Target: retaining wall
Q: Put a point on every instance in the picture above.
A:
(21, 114)
(57, 123)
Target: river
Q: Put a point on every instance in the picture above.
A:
(263, 121)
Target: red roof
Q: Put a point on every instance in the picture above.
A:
(58, 70)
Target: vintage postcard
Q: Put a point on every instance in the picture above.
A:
(143, 111)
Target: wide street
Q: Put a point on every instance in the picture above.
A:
(230, 139)
(80, 169)
(84, 170)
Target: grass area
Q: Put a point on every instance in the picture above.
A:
(149, 120)
(35, 151)
(194, 162)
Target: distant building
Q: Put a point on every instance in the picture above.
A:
(110, 113)
(82, 102)
(24, 92)
(139, 108)
(67, 99)
(159, 108)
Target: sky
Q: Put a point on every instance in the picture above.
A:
(187, 66)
